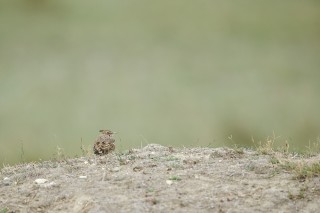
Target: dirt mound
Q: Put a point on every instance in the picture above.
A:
(165, 179)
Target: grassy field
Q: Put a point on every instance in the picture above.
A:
(181, 73)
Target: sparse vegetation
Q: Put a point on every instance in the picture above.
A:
(174, 165)
(125, 157)
(59, 155)
(274, 160)
(171, 158)
(299, 167)
(150, 190)
(313, 148)
(5, 210)
(86, 150)
(176, 178)
(300, 195)
(238, 149)
(304, 170)
(266, 147)
(150, 173)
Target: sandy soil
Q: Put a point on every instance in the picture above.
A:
(162, 179)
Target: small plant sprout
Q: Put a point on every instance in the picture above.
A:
(176, 178)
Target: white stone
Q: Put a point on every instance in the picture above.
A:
(116, 169)
(48, 185)
(83, 177)
(169, 182)
(40, 181)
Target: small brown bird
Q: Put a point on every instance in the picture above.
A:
(104, 143)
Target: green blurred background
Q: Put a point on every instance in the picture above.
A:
(173, 72)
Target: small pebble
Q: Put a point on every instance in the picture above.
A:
(169, 182)
(40, 181)
(83, 177)
(116, 169)
(137, 168)
(48, 185)
(6, 181)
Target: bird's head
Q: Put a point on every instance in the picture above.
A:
(107, 132)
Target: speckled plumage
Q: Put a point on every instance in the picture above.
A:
(104, 143)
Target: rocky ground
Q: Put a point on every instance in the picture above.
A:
(165, 179)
